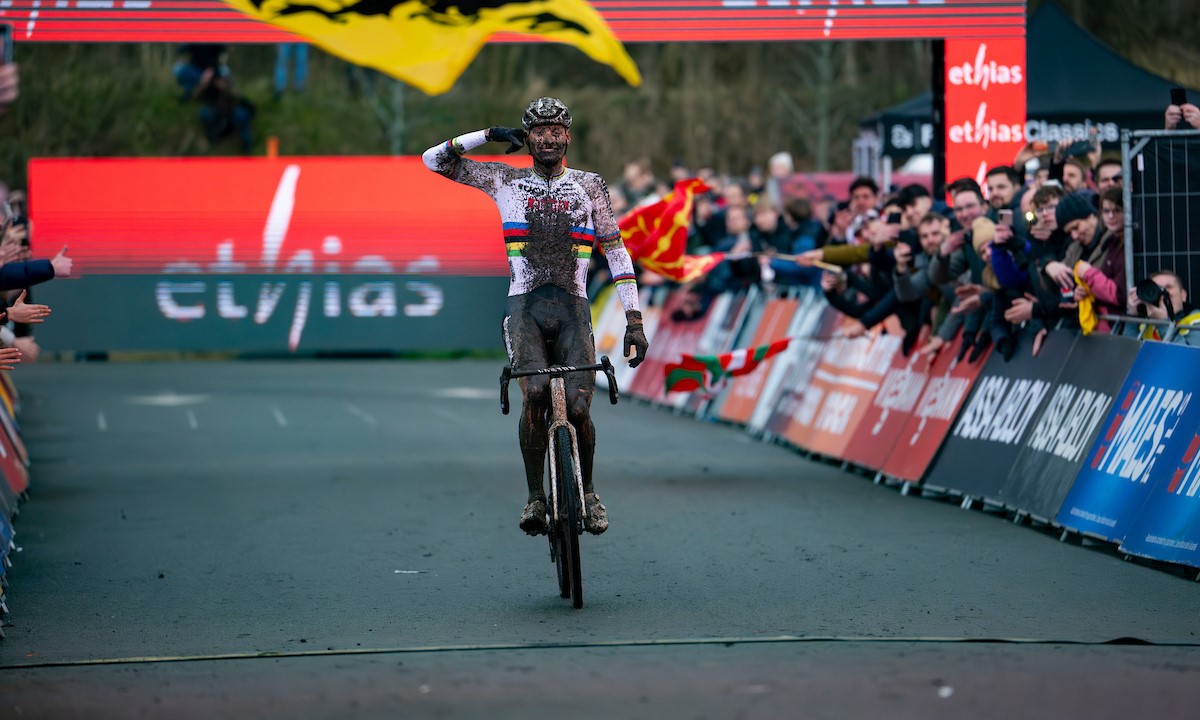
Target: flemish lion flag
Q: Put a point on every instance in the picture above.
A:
(429, 43)
(697, 372)
(656, 235)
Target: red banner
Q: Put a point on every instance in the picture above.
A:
(985, 105)
(260, 215)
(671, 339)
(743, 394)
(949, 383)
(890, 410)
(178, 21)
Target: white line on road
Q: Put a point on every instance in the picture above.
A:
(101, 422)
(192, 420)
(357, 411)
(445, 414)
(279, 418)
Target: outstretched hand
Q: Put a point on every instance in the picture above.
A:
(9, 357)
(515, 136)
(25, 313)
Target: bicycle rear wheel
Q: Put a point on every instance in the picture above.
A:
(570, 518)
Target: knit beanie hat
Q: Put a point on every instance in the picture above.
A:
(1072, 207)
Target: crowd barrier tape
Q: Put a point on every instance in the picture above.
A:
(1046, 436)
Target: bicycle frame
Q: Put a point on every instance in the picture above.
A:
(558, 419)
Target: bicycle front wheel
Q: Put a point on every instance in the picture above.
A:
(570, 516)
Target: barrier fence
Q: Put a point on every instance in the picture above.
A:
(14, 465)
(1095, 436)
(1162, 203)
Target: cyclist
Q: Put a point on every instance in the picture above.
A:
(552, 216)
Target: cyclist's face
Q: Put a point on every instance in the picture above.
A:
(548, 143)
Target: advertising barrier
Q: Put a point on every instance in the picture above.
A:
(1151, 425)
(988, 435)
(917, 442)
(806, 322)
(1168, 527)
(890, 409)
(672, 338)
(1053, 450)
(744, 391)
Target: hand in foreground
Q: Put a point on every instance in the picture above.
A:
(9, 357)
(515, 136)
(635, 338)
(25, 313)
(1021, 310)
(28, 347)
(61, 264)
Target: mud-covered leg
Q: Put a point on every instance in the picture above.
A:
(532, 432)
(579, 413)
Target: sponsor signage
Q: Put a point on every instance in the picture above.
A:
(705, 20)
(899, 392)
(1149, 428)
(991, 429)
(917, 442)
(985, 105)
(672, 338)
(806, 323)
(213, 253)
(1054, 449)
(744, 391)
(1168, 528)
(840, 391)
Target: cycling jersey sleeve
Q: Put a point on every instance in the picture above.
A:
(447, 159)
(609, 237)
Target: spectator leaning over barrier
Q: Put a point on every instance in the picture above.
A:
(1107, 175)
(913, 283)
(1171, 303)
(1095, 256)
(1188, 113)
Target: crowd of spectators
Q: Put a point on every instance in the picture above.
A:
(18, 269)
(1039, 246)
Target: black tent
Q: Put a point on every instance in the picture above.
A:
(1073, 81)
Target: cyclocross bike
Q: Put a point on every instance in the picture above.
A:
(566, 483)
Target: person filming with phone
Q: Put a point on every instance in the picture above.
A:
(1181, 111)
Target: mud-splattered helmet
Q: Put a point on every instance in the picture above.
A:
(546, 111)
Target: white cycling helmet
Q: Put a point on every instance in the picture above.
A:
(546, 111)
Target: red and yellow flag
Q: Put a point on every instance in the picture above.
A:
(656, 235)
(429, 43)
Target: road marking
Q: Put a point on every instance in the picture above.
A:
(279, 418)
(465, 393)
(726, 641)
(167, 399)
(357, 411)
(192, 419)
(101, 422)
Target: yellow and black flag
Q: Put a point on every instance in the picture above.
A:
(429, 43)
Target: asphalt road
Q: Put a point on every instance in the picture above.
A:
(338, 539)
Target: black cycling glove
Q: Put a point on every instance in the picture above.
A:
(515, 136)
(635, 337)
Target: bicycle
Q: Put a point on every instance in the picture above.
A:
(566, 482)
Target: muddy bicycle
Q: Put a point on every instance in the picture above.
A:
(566, 480)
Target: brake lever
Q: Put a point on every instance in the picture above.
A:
(611, 373)
(505, 376)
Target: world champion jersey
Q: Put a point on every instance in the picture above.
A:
(550, 224)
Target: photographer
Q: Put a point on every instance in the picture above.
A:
(1168, 302)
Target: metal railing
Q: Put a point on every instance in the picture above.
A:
(1161, 171)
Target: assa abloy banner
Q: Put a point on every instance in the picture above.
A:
(1053, 450)
(990, 431)
(266, 254)
(1146, 435)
